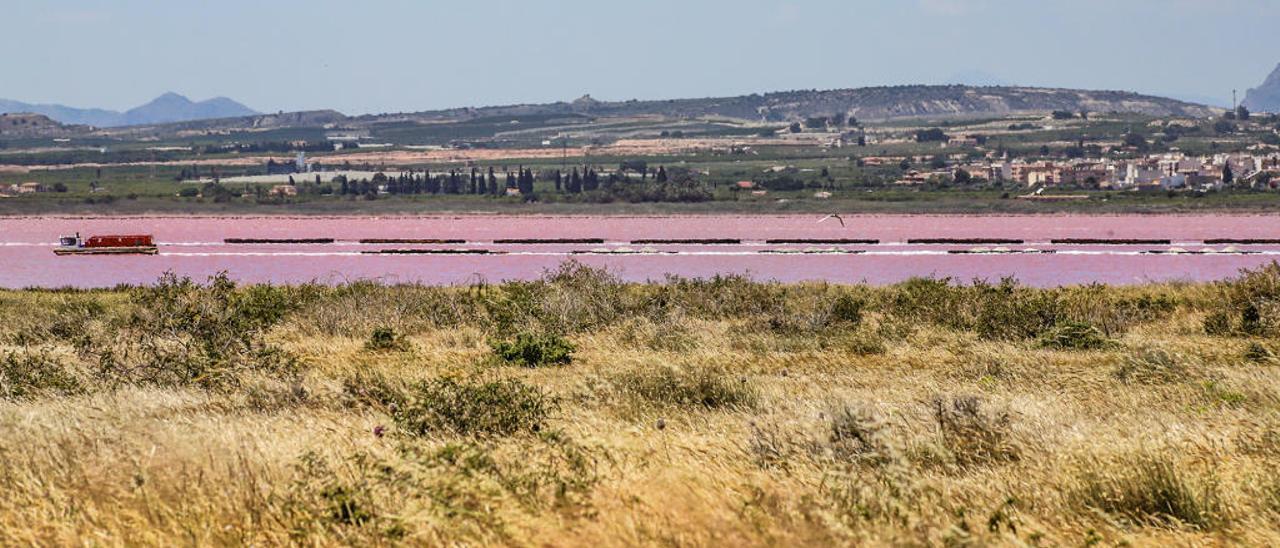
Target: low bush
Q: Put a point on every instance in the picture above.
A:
(861, 343)
(552, 470)
(1007, 311)
(569, 299)
(717, 298)
(1248, 305)
(1114, 311)
(1260, 353)
(855, 435)
(184, 333)
(366, 389)
(1153, 366)
(474, 408)
(472, 485)
(1075, 336)
(1218, 323)
(927, 301)
(1153, 490)
(847, 310)
(73, 317)
(972, 435)
(534, 350)
(706, 387)
(671, 334)
(385, 339)
(29, 375)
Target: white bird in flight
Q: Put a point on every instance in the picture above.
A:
(832, 216)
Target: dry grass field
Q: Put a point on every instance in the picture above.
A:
(578, 410)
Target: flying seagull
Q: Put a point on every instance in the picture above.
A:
(833, 216)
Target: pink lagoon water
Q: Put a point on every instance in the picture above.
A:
(195, 247)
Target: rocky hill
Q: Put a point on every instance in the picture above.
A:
(1265, 98)
(871, 104)
(303, 119)
(34, 125)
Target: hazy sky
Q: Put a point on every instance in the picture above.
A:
(369, 56)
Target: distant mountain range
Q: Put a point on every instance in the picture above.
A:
(165, 109)
(1265, 98)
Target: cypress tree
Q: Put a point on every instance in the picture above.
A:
(526, 182)
(575, 182)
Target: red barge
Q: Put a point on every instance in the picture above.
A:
(132, 244)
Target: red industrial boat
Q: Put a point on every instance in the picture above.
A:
(133, 244)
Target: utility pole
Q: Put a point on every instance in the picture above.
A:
(564, 152)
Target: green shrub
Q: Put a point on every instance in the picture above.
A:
(183, 333)
(1152, 490)
(1002, 311)
(570, 299)
(1248, 305)
(1218, 393)
(474, 408)
(707, 387)
(385, 339)
(73, 316)
(719, 297)
(1218, 323)
(1075, 336)
(928, 300)
(28, 375)
(1009, 312)
(1112, 310)
(534, 350)
(847, 310)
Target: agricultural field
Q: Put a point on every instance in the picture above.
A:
(580, 410)
(816, 169)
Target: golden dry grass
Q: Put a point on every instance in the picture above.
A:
(719, 421)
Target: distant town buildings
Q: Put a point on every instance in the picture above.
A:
(299, 165)
(21, 188)
(1169, 171)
